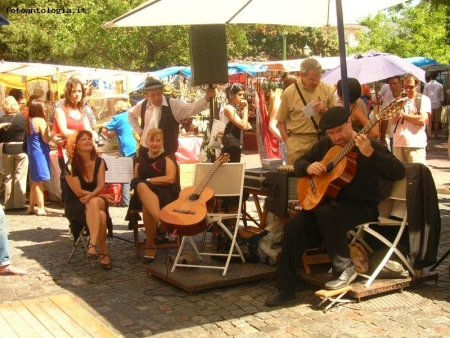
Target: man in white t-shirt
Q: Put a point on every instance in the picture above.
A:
(435, 92)
(392, 91)
(410, 138)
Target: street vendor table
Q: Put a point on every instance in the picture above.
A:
(188, 149)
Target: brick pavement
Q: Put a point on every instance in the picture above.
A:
(133, 304)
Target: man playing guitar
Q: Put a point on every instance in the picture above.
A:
(356, 202)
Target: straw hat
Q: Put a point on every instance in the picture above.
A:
(152, 83)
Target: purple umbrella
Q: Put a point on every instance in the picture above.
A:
(374, 66)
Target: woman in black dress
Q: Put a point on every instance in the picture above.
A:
(156, 184)
(85, 205)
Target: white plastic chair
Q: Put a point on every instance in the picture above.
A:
(227, 181)
(393, 206)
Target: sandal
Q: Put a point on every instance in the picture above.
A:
(92, 256)
(149, 259)
(105, 266)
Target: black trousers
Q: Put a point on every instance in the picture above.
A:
(62, 179)
(333, 220)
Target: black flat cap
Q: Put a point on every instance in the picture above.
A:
(152, 83)
(333, 117)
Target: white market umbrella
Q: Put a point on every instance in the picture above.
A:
(374, 66)
(312, 13)
(280, 12)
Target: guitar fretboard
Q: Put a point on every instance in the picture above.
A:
(386, 112)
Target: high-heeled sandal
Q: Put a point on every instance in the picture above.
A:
(90, 255)
(149, 259)
(105, 266)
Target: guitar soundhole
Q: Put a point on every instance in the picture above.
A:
(194, 197)
(330, 166)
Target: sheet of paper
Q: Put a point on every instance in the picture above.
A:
(308, 110)
(120, 169)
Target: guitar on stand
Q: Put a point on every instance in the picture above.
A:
(340, 163)
(187, 215)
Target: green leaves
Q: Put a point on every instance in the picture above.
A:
(408, 31)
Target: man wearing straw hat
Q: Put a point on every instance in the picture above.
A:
(158, 111)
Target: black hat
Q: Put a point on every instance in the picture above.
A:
(333, 117)
(354, 89)
(152, 83)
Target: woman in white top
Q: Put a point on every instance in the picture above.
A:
(235, 117)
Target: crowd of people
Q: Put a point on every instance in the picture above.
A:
(308, 119)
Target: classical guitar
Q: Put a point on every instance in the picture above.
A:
(340, 164)
(187, 215)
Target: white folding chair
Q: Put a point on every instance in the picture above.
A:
(227, 181)
(393, 206)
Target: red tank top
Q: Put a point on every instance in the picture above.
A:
(72, 124)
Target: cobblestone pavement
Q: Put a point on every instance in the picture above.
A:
(136, 305)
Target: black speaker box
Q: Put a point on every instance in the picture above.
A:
(208, 51)
(281, 188)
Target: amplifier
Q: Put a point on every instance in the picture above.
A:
(255, 179)
(281, 189)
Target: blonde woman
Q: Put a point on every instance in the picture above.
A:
(156, 184)
(15, 160)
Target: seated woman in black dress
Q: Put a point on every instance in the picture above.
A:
(155, 185)
(84, 204)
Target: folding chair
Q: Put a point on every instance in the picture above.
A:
(393, 206)
(227, 181)
(83, 237)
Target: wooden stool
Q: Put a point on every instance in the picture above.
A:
(314, 256)
(310, 256)
(327, 295)
(140, 245)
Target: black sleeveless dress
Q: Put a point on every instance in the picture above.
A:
(155, 167)
(75, 210)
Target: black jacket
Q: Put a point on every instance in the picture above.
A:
(424, 218)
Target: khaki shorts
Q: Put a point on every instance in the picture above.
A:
(436, 115)
(410, 155)
(297, 145)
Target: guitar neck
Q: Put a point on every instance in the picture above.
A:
(351, 144)
(206, 179)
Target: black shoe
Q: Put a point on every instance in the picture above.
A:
(344, 279)
(279, 297)
(105, 266)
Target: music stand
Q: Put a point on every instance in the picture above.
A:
(120, 170)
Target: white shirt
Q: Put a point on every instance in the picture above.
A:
(435, 92)
(408, 134)
(181, 110)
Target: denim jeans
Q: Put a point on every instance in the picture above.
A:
(125, 195)
(125, 190)
(4, 252)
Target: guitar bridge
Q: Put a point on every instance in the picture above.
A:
(312, 186)
(183, 211)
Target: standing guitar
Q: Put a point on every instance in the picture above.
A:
(187, 215)
(340, 164)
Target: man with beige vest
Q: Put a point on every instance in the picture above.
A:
(298, 130)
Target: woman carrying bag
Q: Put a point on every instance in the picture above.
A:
(235, 117)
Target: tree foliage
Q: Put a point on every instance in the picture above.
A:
(408, 31)
(79, 39)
